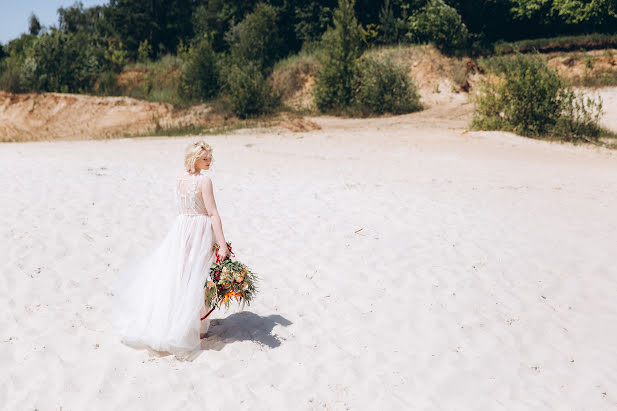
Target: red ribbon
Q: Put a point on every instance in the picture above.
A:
(218, 257)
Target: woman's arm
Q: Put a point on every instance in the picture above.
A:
(208, 197)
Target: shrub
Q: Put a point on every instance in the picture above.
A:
(525, 96)
(383, 87)
(116, 55)
(144, 51)
(440, 24)
(579, 117)
(249, 92)
(11, 76)
(107, 84)
(335, 81)
(200, 79)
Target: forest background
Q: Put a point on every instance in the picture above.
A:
(226, 51)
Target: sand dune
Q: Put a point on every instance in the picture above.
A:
(405, 264)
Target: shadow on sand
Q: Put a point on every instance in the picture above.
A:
(244, 326)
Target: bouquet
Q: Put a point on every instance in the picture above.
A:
(228, 279)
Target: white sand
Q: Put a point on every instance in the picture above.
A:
(483, 277)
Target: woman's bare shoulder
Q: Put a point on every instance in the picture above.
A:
(206, 181)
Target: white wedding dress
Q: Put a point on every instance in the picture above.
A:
(159, 298)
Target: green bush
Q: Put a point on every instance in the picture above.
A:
(439, 24)
(11, 75)
(580, 116)
(107, 84)
(383, 87)
(249, 92)
(525, 96)
(144, 51)
(341, 47)
(200, 79)
(116, 55)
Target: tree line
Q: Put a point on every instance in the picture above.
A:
(229, 42)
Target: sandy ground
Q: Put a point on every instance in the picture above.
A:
(405, 264)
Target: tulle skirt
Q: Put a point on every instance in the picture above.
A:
(159, 298)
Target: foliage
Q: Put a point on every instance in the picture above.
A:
(158, 80)
(382, 87)
(94, 49)
(312, 21)
(580, 115)
(214, 18)
(524, 99)
(11, 77)
(569, 11)
(527, 97)
(388, 24)
(161, 22)
(66, 62)
(34, 25)
(116, 55)
(341, 47)
(229, 279)
(144, 51)
(256, 38)
(562, 43)
(200, 79)
(249, 92)
(440, 24)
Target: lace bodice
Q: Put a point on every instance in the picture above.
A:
(188, 195)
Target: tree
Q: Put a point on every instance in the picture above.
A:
(34, 25)
(249, 91)
(387, 24)
(312, 20)
(577, 11)
(72, 19)
(256, 39)
(440, 24)
(341, 43)
(161, 22)
(200, 79)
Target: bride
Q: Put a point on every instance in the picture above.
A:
(159, 298)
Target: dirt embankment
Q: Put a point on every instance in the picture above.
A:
(25, 117)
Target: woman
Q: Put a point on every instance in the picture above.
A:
(160, 297)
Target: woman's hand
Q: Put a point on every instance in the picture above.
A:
(222, 252)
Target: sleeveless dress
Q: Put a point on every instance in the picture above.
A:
(159, 298)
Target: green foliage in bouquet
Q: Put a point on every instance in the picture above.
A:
(229, 279)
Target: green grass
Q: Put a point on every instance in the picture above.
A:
(562, 43)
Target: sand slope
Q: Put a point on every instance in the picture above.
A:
(405, 264)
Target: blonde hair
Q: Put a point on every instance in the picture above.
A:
(194, 151)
